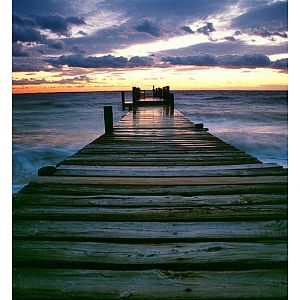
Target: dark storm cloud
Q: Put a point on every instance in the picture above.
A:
(272, 16)
(147, 26)
(81, 32)
(267, 33)
(81, 61)
(28, 64)
(107, 61)
(227, 61)
(59, 45)
(207, 29)
(26, 29)
(17, 50)
(280, 64)
(57, 24)
(187, 29)
(140, 61)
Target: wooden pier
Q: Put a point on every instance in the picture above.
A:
(156, 208)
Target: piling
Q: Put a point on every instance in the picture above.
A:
(171, 103)
(108, 119)
(123, 100)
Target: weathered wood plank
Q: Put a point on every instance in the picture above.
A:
(92, 154)
(144, 150)
(169, 171)
(150, 231)
(188, 190)
(133, 147)
(150, 181)
(202, 214)
(180, 169)
(153, 162)
(168, 256)
(152, 284)
(160, 157)
(147, 201)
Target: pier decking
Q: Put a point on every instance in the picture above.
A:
(158, 209)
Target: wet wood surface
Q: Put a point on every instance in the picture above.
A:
(159, 209)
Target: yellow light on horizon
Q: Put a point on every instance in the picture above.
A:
(180, 77)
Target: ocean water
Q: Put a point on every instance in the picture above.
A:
(49, 127)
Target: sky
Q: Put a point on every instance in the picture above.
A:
(104, 45)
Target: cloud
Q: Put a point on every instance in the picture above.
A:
(280, 64)
(140, 61)
(25, 64)
(237, 33)
(272, 16)
(81, 32)
(24, 30)
(147, 26)
(227, 47)
(227, 61)
(74, 80)
(27, 29)
(264, 32)
(167, 9)
(230, 39)
(17, 50)
(59, 45)
(207, 29)
(187, 29)
(107, 61)
(57, 24)
(109, 25)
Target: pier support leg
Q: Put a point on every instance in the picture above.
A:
(108, 119)
(135, 98)
(123, 100)
(171, 103)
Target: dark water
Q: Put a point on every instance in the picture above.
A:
(49, 127)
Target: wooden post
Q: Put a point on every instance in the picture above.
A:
(123, 100)
(134, 99)
(134, 95)
(199, 125)
(171, 103)
(108, 119)
(159, 93)
(167, 92)
(47, 171)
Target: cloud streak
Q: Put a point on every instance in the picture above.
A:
(107, 61)
(272, 16)
(227, 61)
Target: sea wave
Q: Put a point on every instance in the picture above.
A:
(47, 128)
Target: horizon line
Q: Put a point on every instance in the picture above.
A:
(179, 90)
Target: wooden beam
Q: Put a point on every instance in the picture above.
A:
(108, 119)
(50, 284)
